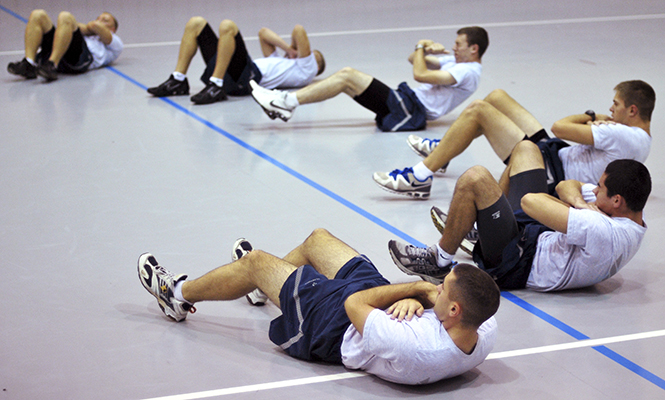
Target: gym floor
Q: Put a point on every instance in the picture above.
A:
(94, 172)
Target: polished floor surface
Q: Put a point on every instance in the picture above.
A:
(94, 172)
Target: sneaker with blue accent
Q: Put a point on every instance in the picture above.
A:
(439, 219)
(418, 261)
(404, 182)
(241, 248)
(424, 147)
(160, 282)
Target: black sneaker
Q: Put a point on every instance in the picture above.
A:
(171, 87)
(210, 94)
(48, 71)
(22, 68)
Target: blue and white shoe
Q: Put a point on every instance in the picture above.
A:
(403, 182)
(424, 147)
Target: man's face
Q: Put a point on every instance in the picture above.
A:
(463, 52)
(603, 202)
(619, 112)
(107, 20)
(442, 303)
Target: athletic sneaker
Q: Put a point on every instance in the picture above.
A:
(160, 282)
(170, 87)
(403, 182)
(272, 102)
(210, 94)
(424, 147)
(439, 218)
(48, 71)
(22, 68)
(240, 248)
(417, 261)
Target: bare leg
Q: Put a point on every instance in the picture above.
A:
(514, 111)
(479, 118)
(63, 36)
(346, 80)
(38, 24)
(232, 281)
(475, 190)
(188, 43)
(226, 47)
(525, 157)
(323, 251)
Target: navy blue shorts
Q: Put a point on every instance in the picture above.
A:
(313, 319)
(550, 151)
(406, 112)
(77, 58)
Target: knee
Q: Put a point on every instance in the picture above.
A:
(474, 177)
(475, 108)
(317, 234)
(496, 95)
(525, 147)
(196, 23)
(65, 17)
(38, 15)
(298, 30)
(228, 27)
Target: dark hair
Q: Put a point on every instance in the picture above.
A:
(322, 65)
(476, 35)
(640, 94)
(631, 180)
(476, 292)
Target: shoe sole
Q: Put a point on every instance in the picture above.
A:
(26, 76)
(183, 93)
(414, 194)
(466, 245)
(407, 271)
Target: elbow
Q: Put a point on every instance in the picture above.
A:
(527, 201)
(558, 129)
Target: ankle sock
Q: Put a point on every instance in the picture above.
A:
(443, 259)
(31, 61)
(421, 172)
(291, 100)
(177, 291)
(217, 81)
(179, 76)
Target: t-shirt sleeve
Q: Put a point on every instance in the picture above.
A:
(587, 228)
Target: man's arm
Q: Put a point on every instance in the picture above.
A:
(359, 305)
(97, 28)
(546, 209)
(577, 128)
(421, 72)
(269, 41)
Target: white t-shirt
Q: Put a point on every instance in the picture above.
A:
(595, 248)
(439, 100)
(412, 352)
(587, 163)
(281, 72)
(103, 54)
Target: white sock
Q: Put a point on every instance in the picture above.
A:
(177, 291)
(421, 172)
(291, 100)
(217, 81)
(31, 61)
(179, 76)
(443, 259)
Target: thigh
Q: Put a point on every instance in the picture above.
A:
(75, 49)
(514, 110)
(497, 227)
(207, 41)
(323, 251)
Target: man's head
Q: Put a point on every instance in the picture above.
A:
(320, 61)
(470, 44)
(470, 293)
(633, 98)
(624, 181)
(107, 19)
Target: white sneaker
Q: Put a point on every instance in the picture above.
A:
(424, 147)
(240, 248)
(272, 102)
(160, 282)
(439, 219)
(403, 182)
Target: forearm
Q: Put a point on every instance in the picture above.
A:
(576, 128)
(547, 210)
(270, 38)
(570, 192)
(97, 28)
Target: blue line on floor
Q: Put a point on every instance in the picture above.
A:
(656, 380)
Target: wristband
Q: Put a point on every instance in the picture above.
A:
(592, 114)
(419, 46)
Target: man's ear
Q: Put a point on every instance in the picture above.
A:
(633, 111)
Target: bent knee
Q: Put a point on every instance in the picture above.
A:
(475, 175)
(496, 95)
(196, 22)
(228, 26)
(66, 17)
(526, 146)
(476, 107)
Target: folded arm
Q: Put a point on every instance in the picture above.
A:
(426, 67)
(97, 28)
(577, 128)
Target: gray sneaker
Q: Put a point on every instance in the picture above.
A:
(424, 147)
(272, 102)
(439, 219)
(160, 282)
(403, 182)
(417, 261)
(240, 248)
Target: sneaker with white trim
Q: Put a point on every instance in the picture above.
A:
(273, 102)
(403, 182)
(417, 261)
(170, 87)
(160, 282)
(439, 219)
(424, 147)
(241, 248)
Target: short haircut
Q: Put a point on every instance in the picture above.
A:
(639, 94)
(476, 292)
(115, 20)
(631, 180)
(321, 64)
(476, 35)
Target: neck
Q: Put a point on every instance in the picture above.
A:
(464, 338)
(639, 123)
(631, 215)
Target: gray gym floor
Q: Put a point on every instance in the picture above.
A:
(94, 172)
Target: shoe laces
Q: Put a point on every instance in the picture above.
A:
(404, 172)
(423, 259)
